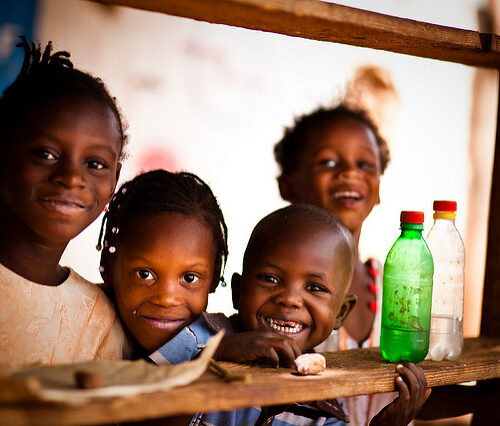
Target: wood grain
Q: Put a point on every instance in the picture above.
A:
(490, 318)
(359, 371)
(317, 20)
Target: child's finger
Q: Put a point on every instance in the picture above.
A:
(420, 381)
(268, 354)
(404, 392)
(295, 347)
(285, 352)
(414, 385)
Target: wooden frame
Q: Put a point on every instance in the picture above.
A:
(327, 22)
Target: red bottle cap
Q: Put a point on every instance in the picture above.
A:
(412, 217)
(444, 206)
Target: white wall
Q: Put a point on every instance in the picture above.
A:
(217, 98)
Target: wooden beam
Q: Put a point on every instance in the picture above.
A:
(353, 372)
(318, 20)
(490, 318)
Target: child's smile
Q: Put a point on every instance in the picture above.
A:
(283, 326)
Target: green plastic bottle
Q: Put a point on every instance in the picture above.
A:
(407, 294)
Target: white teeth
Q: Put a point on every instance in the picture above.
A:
(348, 194)
(284, 326)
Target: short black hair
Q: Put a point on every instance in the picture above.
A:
(288, 150)
(47, 76)
(157, 192)
(293, 214)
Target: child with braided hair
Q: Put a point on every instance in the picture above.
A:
(164, 246)
(62, 139)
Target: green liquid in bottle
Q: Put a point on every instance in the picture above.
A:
(407, 297)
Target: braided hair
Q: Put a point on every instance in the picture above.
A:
(47, 76)
(157, 192)
(288, 150)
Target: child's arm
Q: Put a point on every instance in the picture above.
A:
(261, 346)
(413, 393)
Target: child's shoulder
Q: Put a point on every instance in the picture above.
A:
(91, 294)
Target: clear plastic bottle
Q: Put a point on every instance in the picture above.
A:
(407, 294)
(447, 248)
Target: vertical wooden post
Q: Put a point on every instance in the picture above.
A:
(490, 318)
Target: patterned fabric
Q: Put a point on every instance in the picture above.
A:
(312, 414)
(71, 322)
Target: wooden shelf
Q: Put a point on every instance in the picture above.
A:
(359, 371)
(335, 23)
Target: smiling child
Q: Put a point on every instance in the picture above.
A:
(164, 247)
(296, 270)
(62, 138)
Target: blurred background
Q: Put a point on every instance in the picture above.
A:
(213, 100)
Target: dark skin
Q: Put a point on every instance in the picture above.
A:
(271, 287)
(58, 171)
(340, 171)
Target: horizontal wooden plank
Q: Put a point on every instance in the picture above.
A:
(359, 371)
(335, 23)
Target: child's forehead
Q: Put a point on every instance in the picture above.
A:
(86, 115)
(299, 237)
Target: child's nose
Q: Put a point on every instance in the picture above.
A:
(289, 299)
(348, 169)
(166, 294)
(69, 174)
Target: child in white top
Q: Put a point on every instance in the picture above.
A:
(62, 138)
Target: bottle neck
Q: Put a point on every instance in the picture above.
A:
(411, 230)
(444, 215)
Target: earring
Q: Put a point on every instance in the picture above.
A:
(134, 311)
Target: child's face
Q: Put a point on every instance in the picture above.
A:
(60, 169)
(294, 286)
(161, 274)
(339, 171)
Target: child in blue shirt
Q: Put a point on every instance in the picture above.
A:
(297, 267)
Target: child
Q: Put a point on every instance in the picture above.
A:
(334, 158)
(296, 270)
(61, 137)
(164, 248)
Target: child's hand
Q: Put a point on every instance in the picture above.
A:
(413, 393)
(261, 346)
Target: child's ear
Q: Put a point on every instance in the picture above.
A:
(286, 187)
(346, 307)
(235, 289)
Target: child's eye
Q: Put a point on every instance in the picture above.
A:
(367, 165)
(312, 287)
(327, 162)
(44, 154)
(268, 278)
(144, 274)
(190, 278)
(96, 165)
